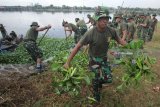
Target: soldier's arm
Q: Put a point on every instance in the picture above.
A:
(43, 28)
(117, 38)
(88, 22)
(144, 25)
(124, 32)
(71, 56)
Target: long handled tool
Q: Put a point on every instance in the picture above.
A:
(43, 37)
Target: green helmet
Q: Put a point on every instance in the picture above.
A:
(118, 15)
(129, 17)
(97, 17)
(34, 24)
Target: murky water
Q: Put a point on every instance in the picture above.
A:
(20, 21)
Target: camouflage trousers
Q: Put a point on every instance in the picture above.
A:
(83, 30)
(150, 33)
(33, 50)
(145, 37)
(139, 32)
(77, 36)
(102, 71)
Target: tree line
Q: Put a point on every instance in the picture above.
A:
(65, 8)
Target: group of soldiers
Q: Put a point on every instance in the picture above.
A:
(128, 26)
(123, 29)
(79, 28)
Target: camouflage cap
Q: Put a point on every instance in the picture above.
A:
(129, 17)
(119, 15)
(154, 14)
(97, 17)
(34, 24)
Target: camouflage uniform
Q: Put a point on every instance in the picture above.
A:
(77, 34)
(131, 29)
(139, 28)
(153, 24)
(145, 36)
(91, 20)
(98, 47)
(121, 26)
(82, 26)
(30, 43)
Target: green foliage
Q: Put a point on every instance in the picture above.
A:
(112, 44)
(137, 66)
(135, 44)
(20, 55)
(71, 80)
(50, 47)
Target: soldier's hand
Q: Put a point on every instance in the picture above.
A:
(49, 26)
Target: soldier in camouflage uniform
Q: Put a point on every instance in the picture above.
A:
(145, 27)
(72, 28)
(153, 25)
(131, 28)
(91, 20)
(139, 19)
(81, 25)
(98, 39)
(31, 45)
(122, 28)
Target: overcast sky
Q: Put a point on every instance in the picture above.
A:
(90, 3)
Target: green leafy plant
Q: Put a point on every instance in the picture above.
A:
(135, 44)
(70, 82)
(136, 67)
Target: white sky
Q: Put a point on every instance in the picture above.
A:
(90, 3)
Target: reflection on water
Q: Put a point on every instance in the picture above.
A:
(20, 21)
